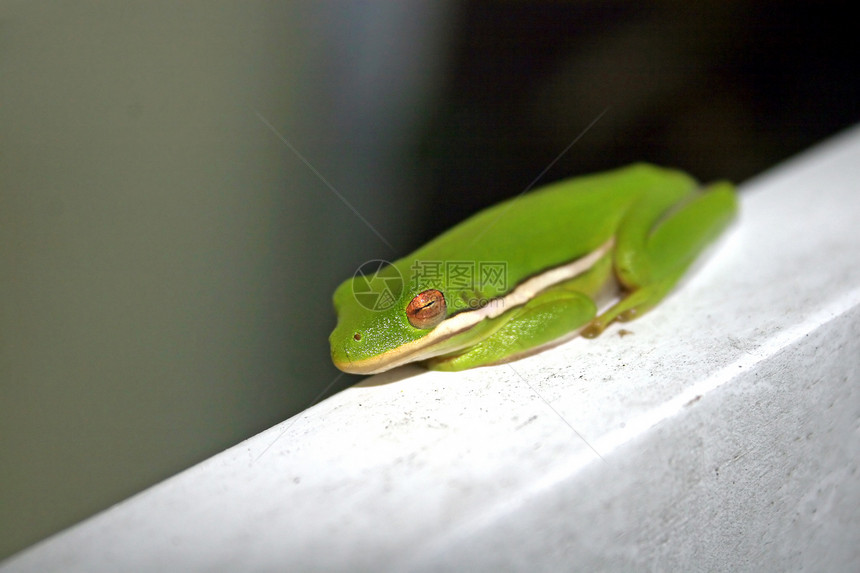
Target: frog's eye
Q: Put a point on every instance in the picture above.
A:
(427, 309)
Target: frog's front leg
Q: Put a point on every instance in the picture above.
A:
(550, 315)
(656, 243)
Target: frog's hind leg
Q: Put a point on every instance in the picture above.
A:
(657, 242)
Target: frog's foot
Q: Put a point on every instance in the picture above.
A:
(633, 305)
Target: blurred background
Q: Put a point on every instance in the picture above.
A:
(181, 185)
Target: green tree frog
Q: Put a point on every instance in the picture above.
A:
(531, 271)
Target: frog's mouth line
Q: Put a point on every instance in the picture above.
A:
(429, 346)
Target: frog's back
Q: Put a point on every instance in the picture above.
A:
(549, 226)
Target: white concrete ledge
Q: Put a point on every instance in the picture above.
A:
(727, 427)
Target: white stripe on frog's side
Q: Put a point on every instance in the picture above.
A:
(425, 347)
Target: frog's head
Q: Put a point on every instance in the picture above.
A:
(383, 321)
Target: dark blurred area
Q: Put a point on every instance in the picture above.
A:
(167, 258)
(720, 89)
